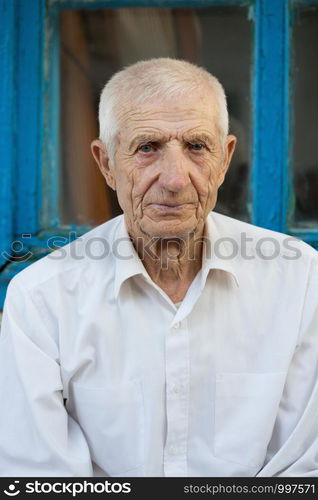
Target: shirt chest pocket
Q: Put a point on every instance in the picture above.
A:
(246, 406)
(112, 419)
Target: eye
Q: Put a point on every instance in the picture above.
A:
(197, 146)
(146, 148)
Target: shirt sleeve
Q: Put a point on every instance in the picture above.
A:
(37, 436)
(293, 450)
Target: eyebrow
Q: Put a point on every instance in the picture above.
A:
(152, 137)
(200, 137)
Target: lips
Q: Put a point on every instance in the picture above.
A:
(169, 207)
(170, 204)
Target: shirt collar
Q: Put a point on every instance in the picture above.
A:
(127, 261)
(217, 254)
(218, 250)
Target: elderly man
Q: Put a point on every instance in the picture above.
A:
(186, 342)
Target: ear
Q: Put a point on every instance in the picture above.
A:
(100, 154)
(229, 148)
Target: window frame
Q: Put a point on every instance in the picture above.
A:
(29, 124)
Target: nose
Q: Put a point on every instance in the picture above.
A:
(174, 176)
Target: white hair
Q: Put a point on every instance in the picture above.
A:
(155, 78)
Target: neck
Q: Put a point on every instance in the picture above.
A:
(172, 263)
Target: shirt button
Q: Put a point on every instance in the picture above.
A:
(173, 450)
(177, 388)
(176, 326)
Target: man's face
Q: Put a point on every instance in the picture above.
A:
(169, 164)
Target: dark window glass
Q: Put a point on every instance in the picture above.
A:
(305, 134)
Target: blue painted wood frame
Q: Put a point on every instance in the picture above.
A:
(8, 18)
(271, 114)
(21, 23)
(29, 91)
(7, 123)
(112, 4)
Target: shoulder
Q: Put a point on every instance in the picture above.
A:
(263, 242)
(88, 253)
(263, 255)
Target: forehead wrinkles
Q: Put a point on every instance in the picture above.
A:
(167, 110)
(154, 134)
(171, 115)
(167, 125)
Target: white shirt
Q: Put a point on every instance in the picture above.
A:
(225, 385)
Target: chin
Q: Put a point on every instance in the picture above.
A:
(171, 229)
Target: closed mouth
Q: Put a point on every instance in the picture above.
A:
(169, 204)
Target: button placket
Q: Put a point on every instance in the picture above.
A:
(178, 388)
(177, 398)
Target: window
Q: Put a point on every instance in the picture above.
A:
(59, 53)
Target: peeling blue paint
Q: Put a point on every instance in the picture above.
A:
(29, 122)
(270, 98)
(7, 120)
(51, 109)
(111, 4)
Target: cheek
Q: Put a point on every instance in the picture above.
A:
(142, 179)
(205, 178)
(124, 185)
(133, 182)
